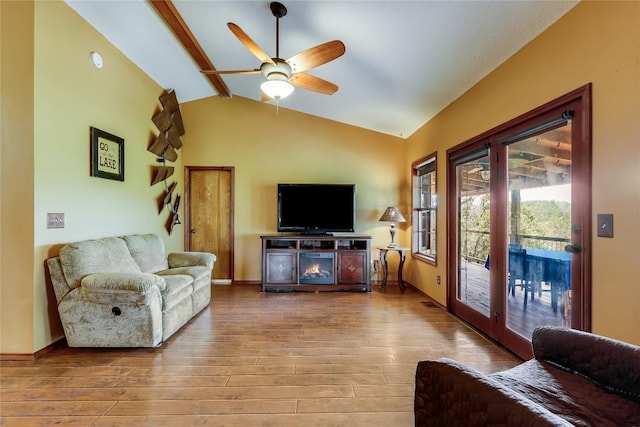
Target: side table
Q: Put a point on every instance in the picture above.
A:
(385, 269)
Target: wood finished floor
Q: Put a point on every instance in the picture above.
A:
(254, 359)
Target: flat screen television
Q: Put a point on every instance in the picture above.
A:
(317, 208)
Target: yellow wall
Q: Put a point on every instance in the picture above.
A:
(596, 42)
(52, 174)
(16, 177)
(267, 148)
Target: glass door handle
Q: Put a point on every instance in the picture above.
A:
(573, 248)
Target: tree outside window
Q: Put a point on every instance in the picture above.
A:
(424, 206)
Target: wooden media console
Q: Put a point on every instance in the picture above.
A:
(316, 263)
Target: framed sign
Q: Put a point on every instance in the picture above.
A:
(107, 155)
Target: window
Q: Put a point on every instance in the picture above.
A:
(424, 205)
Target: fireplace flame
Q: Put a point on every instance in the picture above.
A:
(318, 271)
(312, 270)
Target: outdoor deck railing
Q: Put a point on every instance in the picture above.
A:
(527, 241)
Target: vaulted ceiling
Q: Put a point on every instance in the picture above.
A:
(404, 62)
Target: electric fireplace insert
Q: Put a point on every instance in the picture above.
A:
(316, 268)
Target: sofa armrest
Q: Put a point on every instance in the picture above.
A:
(139, 283)
(54, 270)
(612, 364)
(450, 393)
(122, 288)
(189, 259)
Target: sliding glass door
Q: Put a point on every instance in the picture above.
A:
(519, 224)
(539, 229)
(472, 198)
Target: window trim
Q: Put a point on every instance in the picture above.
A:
(416, 166)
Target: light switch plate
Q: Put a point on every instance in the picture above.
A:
(55, 220)
(605, 225)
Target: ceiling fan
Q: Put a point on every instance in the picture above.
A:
(282, 74)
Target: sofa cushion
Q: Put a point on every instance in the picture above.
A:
(196, 272)
(178, 287)
(107, 255)
(573, 397)
(449, 393)
(148, 251)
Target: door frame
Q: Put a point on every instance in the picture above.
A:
(495, 325)
(187, 209)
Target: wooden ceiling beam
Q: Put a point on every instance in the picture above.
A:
(174, 21)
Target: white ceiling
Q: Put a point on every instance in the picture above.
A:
(404, 62)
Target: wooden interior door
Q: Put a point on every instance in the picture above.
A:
(209, 205)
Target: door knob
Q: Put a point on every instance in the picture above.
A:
(573, 248)
(192, 231)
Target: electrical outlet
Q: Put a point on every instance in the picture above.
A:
(55, 220)
(438, 280)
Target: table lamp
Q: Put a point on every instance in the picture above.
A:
(393, 216)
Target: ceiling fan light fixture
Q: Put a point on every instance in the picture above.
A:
(277, 86)
(283, 74)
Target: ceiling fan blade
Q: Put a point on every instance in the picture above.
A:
(249, 43)
(316, 56)
(265, 98)
(313, 83)
(256, 71)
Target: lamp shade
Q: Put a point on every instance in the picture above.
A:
(277, 86)
(392, 214)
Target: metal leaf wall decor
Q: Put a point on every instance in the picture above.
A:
(165, 198)
(165, 146)
(174, 219)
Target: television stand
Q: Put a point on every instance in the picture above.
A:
(316, 233)
(316, 263)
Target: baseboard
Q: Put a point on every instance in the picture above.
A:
(18, 357)
(27, 357)
(247, 282)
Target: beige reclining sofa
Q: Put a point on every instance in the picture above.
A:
(126, 292)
